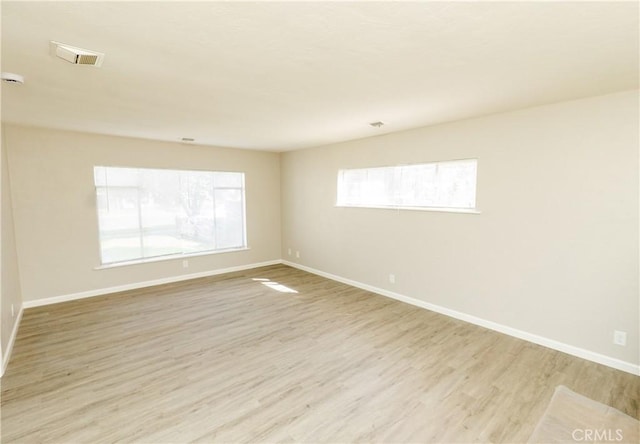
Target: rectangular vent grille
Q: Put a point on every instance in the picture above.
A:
(84, 59)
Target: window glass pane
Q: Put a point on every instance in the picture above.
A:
(229, 212)
(100, 176)
(119, 224)
(351, 185)
(418, 185)
(228, 180)
(121, 177)
(456, 184)
(159, 198)
(378, 188)
(197, 221)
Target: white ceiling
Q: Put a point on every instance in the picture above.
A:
(282, 76)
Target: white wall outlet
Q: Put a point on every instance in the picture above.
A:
(185, 263)
(392, 278)
(12, 312)
(289, 251)
(297, 254)
(620, 337)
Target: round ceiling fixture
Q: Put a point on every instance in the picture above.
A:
(10, 77)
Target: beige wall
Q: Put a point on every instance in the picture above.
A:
(555, 250)
(10, 288)
(56, 220)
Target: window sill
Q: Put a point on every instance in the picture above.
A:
(167, 258)
(434, 209)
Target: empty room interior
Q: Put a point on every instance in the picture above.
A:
(321, 222)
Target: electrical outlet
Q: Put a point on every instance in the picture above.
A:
(289, 251)
(185, 263)
(620, 337)
(297, 254)
(392, 278)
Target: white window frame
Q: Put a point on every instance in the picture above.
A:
(174, 256)
(343, 202)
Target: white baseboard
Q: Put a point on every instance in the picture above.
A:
(6, 355)
(134, 286)
(520, 334)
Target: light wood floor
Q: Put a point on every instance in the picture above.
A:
(232, 359)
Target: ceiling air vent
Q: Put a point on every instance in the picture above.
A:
(10, 77)
(77, 56)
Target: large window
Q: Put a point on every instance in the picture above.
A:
(146, 213)
(436, 185)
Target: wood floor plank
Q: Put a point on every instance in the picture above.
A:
(279, 355)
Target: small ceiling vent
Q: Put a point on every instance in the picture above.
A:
(77, 56)
(10, 77)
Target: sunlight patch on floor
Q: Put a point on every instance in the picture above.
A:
(275, 285)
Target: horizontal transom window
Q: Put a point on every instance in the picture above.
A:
(433, 185)
(147, 213)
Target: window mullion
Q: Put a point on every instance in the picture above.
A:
(215, 223)
(140, 228)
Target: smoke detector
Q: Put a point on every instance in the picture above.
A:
(10, 77)
(75, 55)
